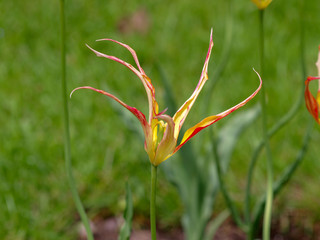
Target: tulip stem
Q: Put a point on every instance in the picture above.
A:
(153, 202)
(281, 123)
(269, 197)
(67, 151)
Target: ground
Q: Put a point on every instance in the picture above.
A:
(292, 226)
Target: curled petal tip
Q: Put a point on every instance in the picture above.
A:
(259, 78)
(72, 92)
(108, 39)
(96, 52)
(76, 90)
(211, 40)
(257, 73)
(90, 48)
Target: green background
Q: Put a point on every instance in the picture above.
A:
(35, 201)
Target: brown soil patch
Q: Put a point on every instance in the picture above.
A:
(293, 226)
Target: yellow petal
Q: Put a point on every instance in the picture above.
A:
(167, 144)
(212, 119)
(182, 113)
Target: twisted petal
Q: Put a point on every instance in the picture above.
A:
(141, 74)
(182, 113)
(139, 115)
(212, 119)
(312, 103)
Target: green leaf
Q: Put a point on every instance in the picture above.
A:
(285, 176)
(215, 224)
(125, 230)
(228, 136)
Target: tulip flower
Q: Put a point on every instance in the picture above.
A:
(261, 4)
(313, 104)
(161, 130)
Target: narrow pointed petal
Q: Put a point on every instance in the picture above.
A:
(312, 103)
(141, 74)
(138, 114)
(168, 142)
(212, 119)
(182, 113)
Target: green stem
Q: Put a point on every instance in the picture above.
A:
(268, 207)
(67, 148)
(153, 202)
(286, 175)
(282, 122)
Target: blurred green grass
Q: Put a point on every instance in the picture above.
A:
(35, 202)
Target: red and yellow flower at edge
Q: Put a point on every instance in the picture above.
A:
(161, 130)
(313, 103)
(261, 4)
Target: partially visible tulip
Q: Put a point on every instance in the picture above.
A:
(161, 130)
(261, 4)
(313, 104)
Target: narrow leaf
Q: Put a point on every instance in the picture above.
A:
(230, 133)
(215, 224)
(125, 230)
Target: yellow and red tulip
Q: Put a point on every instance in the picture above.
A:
(313, 103)
(161, 130)
(261, 4)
